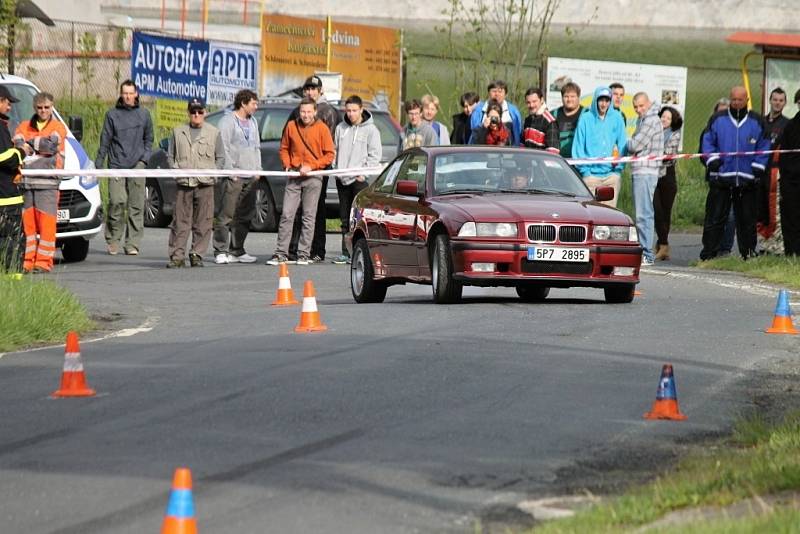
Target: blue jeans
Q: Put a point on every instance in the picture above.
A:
(644, 186)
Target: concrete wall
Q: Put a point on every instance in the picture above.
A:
(767, 15)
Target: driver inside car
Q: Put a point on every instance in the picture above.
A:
(518, 181)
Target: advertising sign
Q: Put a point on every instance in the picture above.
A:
(170, 113)
(169, 68)
(180, 69)
(368, 57)
(783, 73)
(232, 67)
(663, 84)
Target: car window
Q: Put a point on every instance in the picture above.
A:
(389, 134)
(505, 171)
(414, 169)
(271, 122)
(385, 181)
(22, 110)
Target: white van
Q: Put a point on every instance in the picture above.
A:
(80, 210)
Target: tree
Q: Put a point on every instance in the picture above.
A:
(87, 44)
(8, 25)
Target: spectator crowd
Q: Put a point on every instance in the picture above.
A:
(743, 190)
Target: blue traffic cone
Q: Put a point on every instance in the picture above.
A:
(666, 404)
(782, 322)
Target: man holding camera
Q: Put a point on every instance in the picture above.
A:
(42, 139)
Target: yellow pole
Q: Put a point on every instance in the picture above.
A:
(261, 39)
(328, 43)
(205, 19)
(746, 78)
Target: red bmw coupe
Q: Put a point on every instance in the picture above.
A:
(453, 216)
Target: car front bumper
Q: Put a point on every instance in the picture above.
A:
(608, 265)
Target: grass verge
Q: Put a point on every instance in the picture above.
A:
(37, 311)
(779, 270)
(758, 460)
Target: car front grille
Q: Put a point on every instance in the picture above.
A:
(572, 234)
(546, 233)
(74, 201)
(542, 233)
(555, 267)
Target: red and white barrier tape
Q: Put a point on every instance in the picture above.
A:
(358, 171)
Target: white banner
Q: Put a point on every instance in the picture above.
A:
(664, 84)
(232, 67)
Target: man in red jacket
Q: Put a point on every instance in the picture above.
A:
(306, 146)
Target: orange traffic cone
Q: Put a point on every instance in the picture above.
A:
(179, 518)
(73, 380)
(285, 296)
(666, 404)
(309, 317)
(782, 321)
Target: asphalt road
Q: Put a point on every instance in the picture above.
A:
(403, 417)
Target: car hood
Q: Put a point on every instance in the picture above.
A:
(525, 207)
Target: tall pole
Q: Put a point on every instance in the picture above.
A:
(183, 17)
(328, 31)
(244, 13)
(205, 20)
(163, 13)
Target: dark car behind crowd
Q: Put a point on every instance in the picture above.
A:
(271, 115)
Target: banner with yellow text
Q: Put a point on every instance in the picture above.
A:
(294, 48)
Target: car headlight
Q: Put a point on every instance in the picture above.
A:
(87, 182)
(615, 233)
(472, 229)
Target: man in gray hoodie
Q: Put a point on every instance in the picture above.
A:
(126, 142)
(358, 144)
(647, 140)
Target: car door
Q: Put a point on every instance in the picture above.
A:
(370, 206)
(400, 216)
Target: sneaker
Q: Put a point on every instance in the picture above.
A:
(317, 259)
(341, 260)
(291, 260)
(303, 260)
(222, 258)
(112, 249)
(176, 264)
(132, 251)
(647, 262)
(242, 258)
(276, 259)
(195, 260)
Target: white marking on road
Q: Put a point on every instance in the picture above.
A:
(145, 327)
(747, 285)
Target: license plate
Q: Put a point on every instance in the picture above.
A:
(576, 255)
(62, 215)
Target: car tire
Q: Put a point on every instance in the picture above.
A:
(532, 293)
(362, 282)
(154, 215)
(446, 290)
(265, 218)
(619, 294)
(74, 250)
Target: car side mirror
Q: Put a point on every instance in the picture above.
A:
(604, 193)
(408, 188)
(76, 126)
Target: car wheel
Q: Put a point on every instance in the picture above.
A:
(619, 294)
(265, 218)
(74, 250)
(365, 288)
(532, 293)
(445, 289)
(154, 215)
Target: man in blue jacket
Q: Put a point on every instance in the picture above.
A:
(733, 179)
(498, 90)
(600, 134)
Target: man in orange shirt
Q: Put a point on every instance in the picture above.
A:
(42, 137)
(306, 146)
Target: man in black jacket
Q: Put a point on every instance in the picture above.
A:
(312, 89)
(790, 184)
(126, 142)
(540, 129)
(12, 243)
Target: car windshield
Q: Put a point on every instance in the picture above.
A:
(505, 171)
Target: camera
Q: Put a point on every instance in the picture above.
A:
(494, 120)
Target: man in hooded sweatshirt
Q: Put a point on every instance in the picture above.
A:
(600, 132)
(358, 144)
(647, 140)
(126, 142)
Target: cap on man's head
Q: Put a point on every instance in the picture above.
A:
(604, 92)
(313, 81)
(5, 93)
(196, 103)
